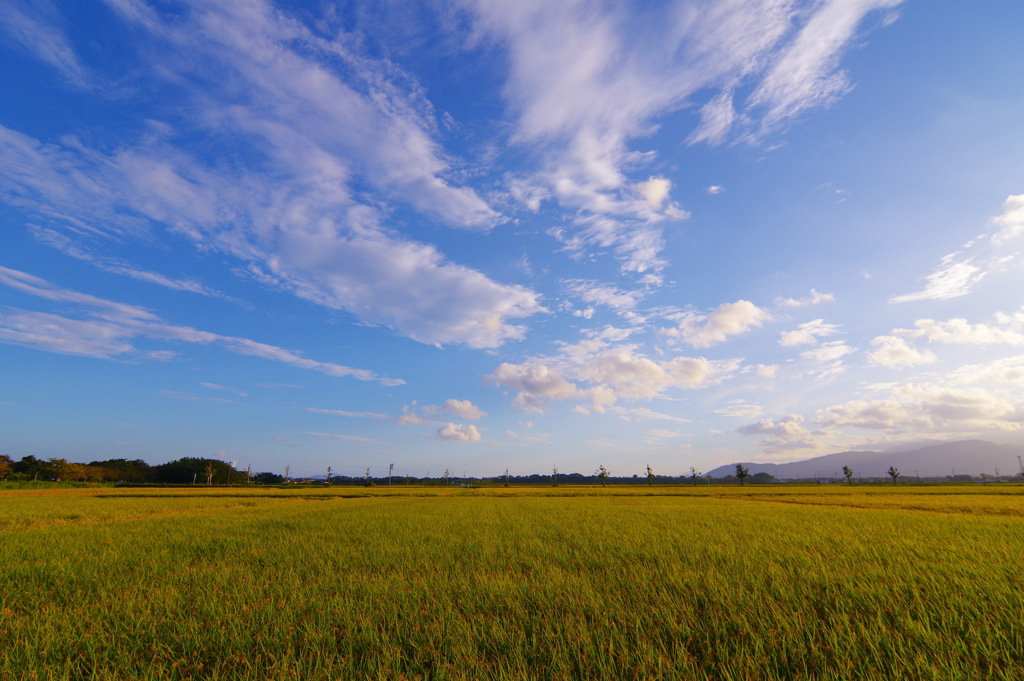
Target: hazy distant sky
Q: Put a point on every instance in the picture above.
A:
(482, 234)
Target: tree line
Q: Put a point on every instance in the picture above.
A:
(180, 471)
(192, 470)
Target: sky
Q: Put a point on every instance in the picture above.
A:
(476, 235)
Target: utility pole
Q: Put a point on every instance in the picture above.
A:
(193, 478)
(389, 474)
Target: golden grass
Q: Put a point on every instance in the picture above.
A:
(772, 582)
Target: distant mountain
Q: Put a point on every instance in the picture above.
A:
(967, 457)
(911, 446)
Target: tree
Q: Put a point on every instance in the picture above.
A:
(603, 473)
(59, 469)
(30, 466)
(369, 480)
(741, 472)
(650, 475)
(506, 477)
(287, 474)
(893, 473)
(135, 470)
(185, 470)
(694, 473)
(554, 475)
(329, 475)
(447, 476)
(267, 479)
(848, 472)
(6, 466)
(248, 474)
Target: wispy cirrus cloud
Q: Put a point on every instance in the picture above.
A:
(107, 329)
(312, 117)
(67, 246)
(35, 28)
(587, 78)
(951, 279)
(808, 333)
(812, 299)
(350, 414)
(958, 273)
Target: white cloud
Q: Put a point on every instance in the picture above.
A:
(662, 434)
(812, 299)
(311, 240)
(65, 245)
(715, 189)
(349, 438)
(630, 375)
(351, 414)
(958, 275)
(645, 413)
(622, 302)
(716, 121)
(543, 437)
(586, 78)
(411, 419)
(214, 386)
(655, 191)
(788, 428)
(893, 352)
(534, 382)
(805, 74)
(257, 77)
(458, 433)
(744, 411)
(950, 279)
(1011, 221)
(806, 334)
(1006, 370)
(926, 408)
(1014, 319)
(196, 398)
(962, 332)
(729, 319)
(767, 370)
(462, 408)
(827, 352)
(612, 372)
(111, 326)
(783, 435)
(33, 27)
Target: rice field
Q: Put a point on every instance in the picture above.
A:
(760, 582)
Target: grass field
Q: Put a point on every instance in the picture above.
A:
(761, 582)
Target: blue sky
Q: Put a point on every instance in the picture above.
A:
(476, 235)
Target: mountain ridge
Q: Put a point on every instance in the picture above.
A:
(963, 457)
